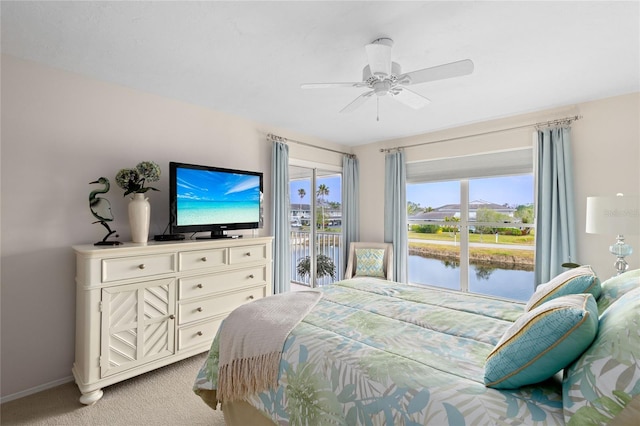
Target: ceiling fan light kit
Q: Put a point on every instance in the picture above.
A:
(384, 77)
(379, 55)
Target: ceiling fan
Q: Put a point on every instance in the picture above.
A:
(385, 77)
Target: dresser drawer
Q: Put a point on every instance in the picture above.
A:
(202, 259)
(205, 285)
(137, 267)
(199, 334)
(205, 308)
(247, 254)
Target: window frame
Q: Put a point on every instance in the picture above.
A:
(328, 170)
(483, 172)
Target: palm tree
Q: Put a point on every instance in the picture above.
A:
(323, 190)
(301, 194)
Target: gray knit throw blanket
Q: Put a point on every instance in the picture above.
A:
(251, 342)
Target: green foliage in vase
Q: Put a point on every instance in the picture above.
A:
(134, 180)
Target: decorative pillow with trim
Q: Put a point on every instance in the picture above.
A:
(370, 262)
(574, 281)
(603, 382)
(542, 342)
(616, 287)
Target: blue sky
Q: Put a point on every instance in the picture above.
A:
(216, 186)
(333, 183)
(511, 190)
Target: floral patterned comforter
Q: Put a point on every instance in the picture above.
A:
(376, 352)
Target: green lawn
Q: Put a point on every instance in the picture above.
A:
(478, 254)
(475, 238)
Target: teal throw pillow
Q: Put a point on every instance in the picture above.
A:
(370, 262)
(616, 287)
(542, 342)
(605, 379)
(574, 281)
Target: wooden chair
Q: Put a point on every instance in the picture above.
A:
(387, 263)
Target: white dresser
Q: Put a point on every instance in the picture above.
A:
(144, 306)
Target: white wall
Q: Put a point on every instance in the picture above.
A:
(606, 160)
(61, 131)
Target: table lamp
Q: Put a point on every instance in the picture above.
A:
(619, 215)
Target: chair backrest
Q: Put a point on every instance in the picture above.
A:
(387, 263)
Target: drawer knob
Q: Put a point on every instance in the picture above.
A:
(141, 266)
(199, 286)
(199, 309)
(248, 253)
(204, 259)
(199, 333)
(251, 276)
(172, 316)
(251, 297)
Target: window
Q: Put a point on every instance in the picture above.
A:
(475, 230)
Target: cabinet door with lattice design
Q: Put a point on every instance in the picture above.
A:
(137, 324)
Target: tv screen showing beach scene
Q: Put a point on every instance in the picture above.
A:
(205, 197)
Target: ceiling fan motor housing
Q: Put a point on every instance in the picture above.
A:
(381, 84)
(369, 78)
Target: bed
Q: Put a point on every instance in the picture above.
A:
(377, 352)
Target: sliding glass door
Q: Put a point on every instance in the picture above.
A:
(316, 225)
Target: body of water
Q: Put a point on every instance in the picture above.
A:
(506, 283)
(510, 284)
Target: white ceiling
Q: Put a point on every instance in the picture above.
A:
(249, 58)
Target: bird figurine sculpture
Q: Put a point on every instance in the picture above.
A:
(101, 209)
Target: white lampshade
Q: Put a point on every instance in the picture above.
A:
(615, 215)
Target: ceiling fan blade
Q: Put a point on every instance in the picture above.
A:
(331, 85)
(357, 102)
(440, 72)
(379, 55)
(410, 98)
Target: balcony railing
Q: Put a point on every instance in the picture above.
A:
(327, 243)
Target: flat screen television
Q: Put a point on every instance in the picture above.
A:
(213, 199)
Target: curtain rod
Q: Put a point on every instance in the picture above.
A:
(274, 138)
(565, 120)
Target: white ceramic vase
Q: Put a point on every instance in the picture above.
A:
(139, 218)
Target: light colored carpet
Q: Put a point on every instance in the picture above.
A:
(160, 397)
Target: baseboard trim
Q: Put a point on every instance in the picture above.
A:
(36, 389)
